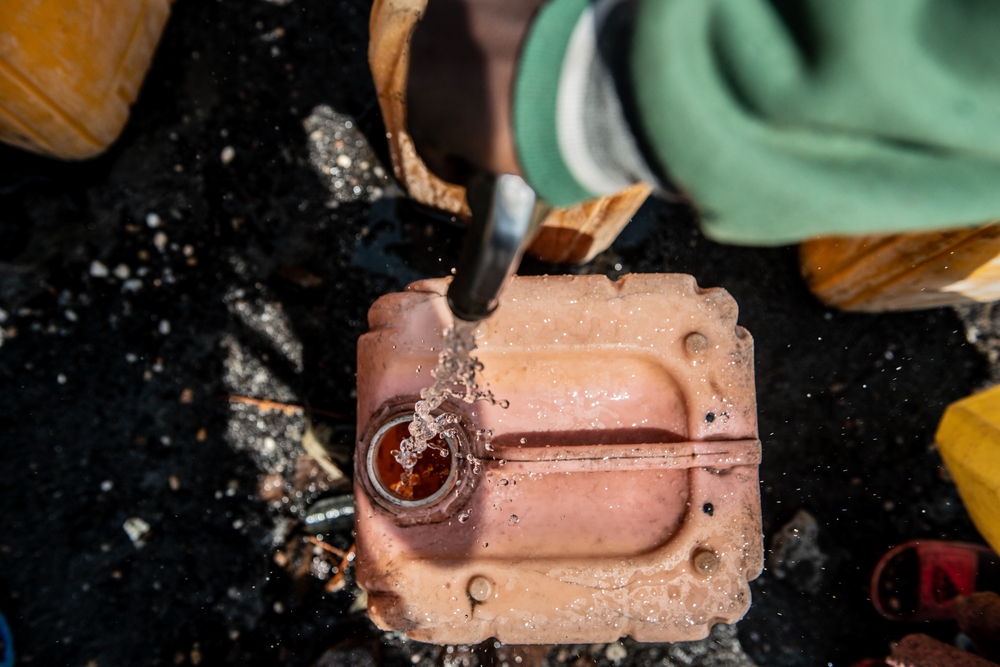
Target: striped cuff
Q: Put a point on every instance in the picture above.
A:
(571, 132)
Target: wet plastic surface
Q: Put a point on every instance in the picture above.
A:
(618, 492)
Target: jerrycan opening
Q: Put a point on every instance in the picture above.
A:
(432, 477)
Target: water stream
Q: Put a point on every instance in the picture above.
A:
(454, 378)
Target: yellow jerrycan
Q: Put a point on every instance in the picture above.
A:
(969, 440)
(70, 70)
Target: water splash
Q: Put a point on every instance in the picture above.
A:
(455, 378)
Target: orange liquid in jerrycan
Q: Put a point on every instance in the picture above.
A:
(429, 475)
(617, 494)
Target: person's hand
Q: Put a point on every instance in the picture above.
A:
(462, 64)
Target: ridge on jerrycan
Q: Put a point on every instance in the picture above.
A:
(618, 494)
(70, 70)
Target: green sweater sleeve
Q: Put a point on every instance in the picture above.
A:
(854, 116)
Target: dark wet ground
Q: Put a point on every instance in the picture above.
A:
(229, 245)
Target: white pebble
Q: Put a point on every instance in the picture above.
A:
(61, 379)
(160, 240)
(133, 285)
(98, 270)
(71, 315)
(164, 327)
(615, 652)
(107, 485)
(153, 221)
(136, 529)
(343, 161)
(131, 357)
(227, 155)
(122, 272)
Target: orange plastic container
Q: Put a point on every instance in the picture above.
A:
(618, 494)
(904, 271)
(70, 70)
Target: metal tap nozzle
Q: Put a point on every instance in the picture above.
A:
(506, 214)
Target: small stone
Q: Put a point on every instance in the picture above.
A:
(71, 315)
(344, 161)
(132, 285)
(201, 435)
(615, 652)
(122, 272)
(175, 482)
(137, 529)
(187, 395)
(131, 357)
(227, 155)
(61, 379)
(98, 269)
(107, 485)
(796, 554)
(160, 240)
(164, 327)
(153, 221)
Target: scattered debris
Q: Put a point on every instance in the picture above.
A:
(795, 553)
(342, 157)
(98, 269)
(331, 514)
(615, 652)
(137, 530)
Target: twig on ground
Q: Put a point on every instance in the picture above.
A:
(265, 405)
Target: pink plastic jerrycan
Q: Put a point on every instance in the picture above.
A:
(618, 493)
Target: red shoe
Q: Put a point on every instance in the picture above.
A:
(918, 580)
